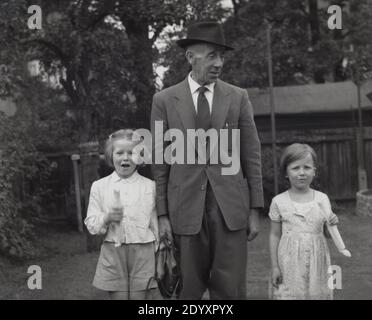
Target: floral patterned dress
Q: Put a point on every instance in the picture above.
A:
(303, 253)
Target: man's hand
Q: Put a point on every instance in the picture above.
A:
(276, 277)
(165, 227)
(253, 224)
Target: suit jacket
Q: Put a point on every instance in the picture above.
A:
(181, 188)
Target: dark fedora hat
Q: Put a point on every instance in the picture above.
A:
(209, 32)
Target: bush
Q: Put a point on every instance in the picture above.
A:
(20, 164)
(39, 124)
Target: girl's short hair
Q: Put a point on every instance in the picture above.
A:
(294, 152)
(126, 134)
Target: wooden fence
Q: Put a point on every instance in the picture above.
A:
(337, 173)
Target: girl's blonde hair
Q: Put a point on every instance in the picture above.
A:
(294, 152)
(127, 134)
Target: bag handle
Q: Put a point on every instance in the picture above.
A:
(167, 245)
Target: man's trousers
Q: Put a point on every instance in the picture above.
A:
(214, 259)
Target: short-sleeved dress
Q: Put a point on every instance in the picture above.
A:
(303, 253)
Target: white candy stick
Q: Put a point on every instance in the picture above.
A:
(336, 237)
(333, 230)
(117, 205)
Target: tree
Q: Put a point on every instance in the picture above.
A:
(104, 50)
(91, 57)
(24, 169)
(304, 49)
(356, 39)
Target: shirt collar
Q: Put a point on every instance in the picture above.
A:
(194, 86)
(133, 178)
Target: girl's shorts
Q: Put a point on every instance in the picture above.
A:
(125, 268)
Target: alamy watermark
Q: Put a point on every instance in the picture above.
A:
(197, 146)
(36, 18)
(335, 20)
(335, 279)
(35, 280)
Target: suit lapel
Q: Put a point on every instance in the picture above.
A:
(221, 104)
(186, 110)
(185, 105)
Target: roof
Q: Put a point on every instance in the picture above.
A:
(8, 107)
(311, 98)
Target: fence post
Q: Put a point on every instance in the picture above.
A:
(89, 155)
(75, 158)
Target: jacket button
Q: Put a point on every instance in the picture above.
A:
(203, 187)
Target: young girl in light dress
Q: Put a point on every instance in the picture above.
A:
(122, 207)
(299, 253)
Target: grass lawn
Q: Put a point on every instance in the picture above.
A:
(67, 270)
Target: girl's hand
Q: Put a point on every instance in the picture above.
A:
(276, 277)
(114, 215)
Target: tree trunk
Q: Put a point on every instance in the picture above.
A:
(314, 22)
(144, 89)
(319, 76)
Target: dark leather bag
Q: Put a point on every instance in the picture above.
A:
(167, 273)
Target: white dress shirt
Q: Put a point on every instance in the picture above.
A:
(137, 195)
(194, 86)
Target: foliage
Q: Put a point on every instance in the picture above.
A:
(40, 124)
(103, 55)
(24, 168)
(20, 163)
(357, 39)
(104, 52)
(303, 49)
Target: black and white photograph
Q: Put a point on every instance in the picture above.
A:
(202, 151)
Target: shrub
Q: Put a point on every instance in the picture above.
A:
(21, 165)
(39, 124)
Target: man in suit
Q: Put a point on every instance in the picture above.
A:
(210, 213)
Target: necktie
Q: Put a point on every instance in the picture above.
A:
(203, 119)
(203, 116)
